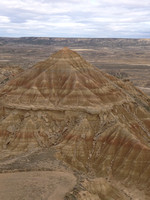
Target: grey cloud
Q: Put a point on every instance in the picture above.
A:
(74, 18)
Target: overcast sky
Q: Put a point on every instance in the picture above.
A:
(75, 18)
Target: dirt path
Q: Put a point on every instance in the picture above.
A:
(36, 185)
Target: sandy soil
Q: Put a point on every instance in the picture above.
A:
(36, 185)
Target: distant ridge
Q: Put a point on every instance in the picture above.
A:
(75, 41)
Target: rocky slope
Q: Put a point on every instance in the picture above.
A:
(97, 124)
(8, 72)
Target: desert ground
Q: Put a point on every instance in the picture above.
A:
(35, 175)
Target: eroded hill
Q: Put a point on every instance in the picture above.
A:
(98, 126)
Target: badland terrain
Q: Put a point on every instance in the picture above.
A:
(68, 130)
(124, 58)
